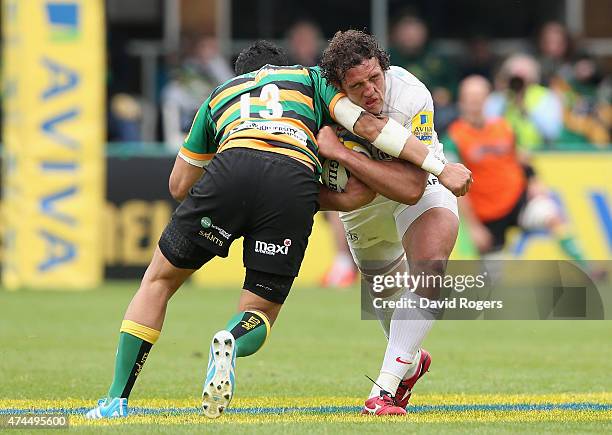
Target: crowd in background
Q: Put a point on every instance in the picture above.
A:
(551, 95)
(554, 95)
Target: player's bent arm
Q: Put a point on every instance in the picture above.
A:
(397, 180)
(385, 134)
(183, 176)
(391, 137)
(355, 196)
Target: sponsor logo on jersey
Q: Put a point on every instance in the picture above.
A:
(210, 236)
(272, 248)
(432, 181)
(206, 223)
(351, 236)
(273, 127)
(422, 126)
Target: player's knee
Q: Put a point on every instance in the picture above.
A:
(161, 288)
(271, 287)
(432, 266)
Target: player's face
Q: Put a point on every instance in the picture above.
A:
(364, 84)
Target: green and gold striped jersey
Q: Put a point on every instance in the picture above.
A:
(278, 109)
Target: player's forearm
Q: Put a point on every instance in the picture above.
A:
(395, 180)
(336, 201)
(182, 178)
(387, 135)
(330, 201)
(406, 146)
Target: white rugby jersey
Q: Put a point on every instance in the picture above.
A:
(409, 102)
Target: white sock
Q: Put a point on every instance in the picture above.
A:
(390, 382)
(412, 368)
(387, 381)
(408, 330)
(389, 294)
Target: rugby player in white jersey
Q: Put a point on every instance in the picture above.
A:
(413, 217)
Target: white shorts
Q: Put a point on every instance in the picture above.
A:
(374, 232)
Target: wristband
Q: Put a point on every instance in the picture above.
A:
(432, 164)
(346, 113)
(392, 138)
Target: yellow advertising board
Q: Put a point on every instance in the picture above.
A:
(53, 165)
(581, 184)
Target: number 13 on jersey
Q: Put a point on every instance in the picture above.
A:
(270, 95)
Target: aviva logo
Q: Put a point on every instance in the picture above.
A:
(63, 20)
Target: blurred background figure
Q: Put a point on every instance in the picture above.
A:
(192, 80)
(480, 59)
(304, 40)
(587, 110)
(554, 47)
(506, 194)
(124, 118)
(533, 111)
(410, 49)
(342, 273)
(580, 83)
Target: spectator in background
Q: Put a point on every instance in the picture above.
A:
(304, 43)
(533, 111)
(191, 82)
(480, 60)
(504, 194)
(587, 110)
(124, 118)
(554, 52)
(410, 50)
(207, 61)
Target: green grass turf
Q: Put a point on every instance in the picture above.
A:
(56, 345)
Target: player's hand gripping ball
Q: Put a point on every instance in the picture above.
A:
(334, 175)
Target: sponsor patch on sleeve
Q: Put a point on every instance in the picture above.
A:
(422, 126)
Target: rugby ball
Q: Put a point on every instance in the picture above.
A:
(334, 175)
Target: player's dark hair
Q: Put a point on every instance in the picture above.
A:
(347, 50)
(259, 54)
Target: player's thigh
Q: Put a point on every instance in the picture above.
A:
(214, 212)
(264, 292)
(280, 224)
(379, 258)
(429, 228)
(371, 233)
(161, 271)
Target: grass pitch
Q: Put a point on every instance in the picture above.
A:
(57, 353)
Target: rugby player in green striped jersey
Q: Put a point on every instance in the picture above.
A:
(248, 168)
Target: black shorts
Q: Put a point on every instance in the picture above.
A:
(267, 198)
(498, 227)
